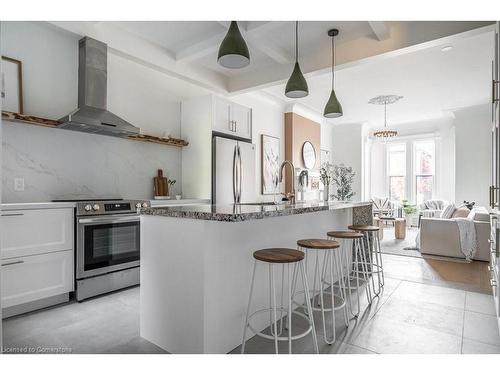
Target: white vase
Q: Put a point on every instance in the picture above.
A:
(326, 193)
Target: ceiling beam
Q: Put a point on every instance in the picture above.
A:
(252, 32)
(380, 29)
(134, 48)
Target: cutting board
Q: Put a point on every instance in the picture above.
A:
(160, 184)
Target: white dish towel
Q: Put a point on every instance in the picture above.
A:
(468, 238)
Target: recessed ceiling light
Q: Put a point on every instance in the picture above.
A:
(446, 48)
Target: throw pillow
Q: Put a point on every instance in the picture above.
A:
(448, 211)
(461, 212)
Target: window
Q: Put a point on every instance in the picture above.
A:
(396, 158)
(424, 167)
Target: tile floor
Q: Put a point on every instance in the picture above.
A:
(421, 310)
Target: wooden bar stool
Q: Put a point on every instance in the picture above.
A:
(352, 249)
(374, 254)
(332, 260)
(288, 258)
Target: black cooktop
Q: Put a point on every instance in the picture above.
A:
(87, 199)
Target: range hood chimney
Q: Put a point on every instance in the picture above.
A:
(92, 115)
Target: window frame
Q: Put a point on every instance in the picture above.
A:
(411, 175)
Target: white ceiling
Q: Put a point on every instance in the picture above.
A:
(432, 83)
(194, 44)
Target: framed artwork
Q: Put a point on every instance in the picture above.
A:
(270, 157)
(324, 156)
(12, 85)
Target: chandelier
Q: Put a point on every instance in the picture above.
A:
(385, 133)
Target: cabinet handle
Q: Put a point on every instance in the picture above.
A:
(13, 214)
(12, 263)
(494, 91)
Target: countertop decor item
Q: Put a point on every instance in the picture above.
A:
(333, 108)
(308, 155)
(296, 87)
(343, 178)
(160, 185)
(325, 175)
(12, 84)
(385, 133)
(233, 51)
(270, 163)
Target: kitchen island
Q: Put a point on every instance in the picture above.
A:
(196, 264)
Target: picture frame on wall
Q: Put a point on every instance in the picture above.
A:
(12, 85)
(324, 156)
(270, 157)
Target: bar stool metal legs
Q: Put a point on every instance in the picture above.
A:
(289, 258)
(354, 262)
(324, 278)
(374, 255)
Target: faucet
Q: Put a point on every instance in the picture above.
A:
(288, 195)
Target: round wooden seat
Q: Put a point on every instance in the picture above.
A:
(345, 234)
(364, 228)
(279, 255)
(319, 244)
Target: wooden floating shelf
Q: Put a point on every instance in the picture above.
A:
(32, 120)
(163, 141)
(48, 123)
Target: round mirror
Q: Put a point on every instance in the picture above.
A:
(308, 155)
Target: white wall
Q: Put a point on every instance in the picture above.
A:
(59, 162)
(473, 154)
(347, 149)
(443, 132)
(267, 118)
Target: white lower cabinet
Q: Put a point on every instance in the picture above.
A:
(30, 232)
(35, 277)
(37, 258)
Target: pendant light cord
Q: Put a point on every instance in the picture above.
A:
(333, 62)
(385, 115)
(296, 41)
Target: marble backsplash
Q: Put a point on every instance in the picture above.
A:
(59, 163)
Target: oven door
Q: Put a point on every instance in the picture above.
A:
(106, 244)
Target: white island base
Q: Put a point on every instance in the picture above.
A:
(195, 275)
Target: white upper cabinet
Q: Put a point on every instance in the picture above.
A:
(222, 116)
(231, 118)
(242, 121)
(31, 232)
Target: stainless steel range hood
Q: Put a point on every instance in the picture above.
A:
(91, 116)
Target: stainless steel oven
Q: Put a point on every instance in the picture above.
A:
(107, 243)
(107, 246)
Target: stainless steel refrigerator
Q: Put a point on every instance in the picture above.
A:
(233, 171)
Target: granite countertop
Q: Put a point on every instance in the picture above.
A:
(236, 213)
(36, 205)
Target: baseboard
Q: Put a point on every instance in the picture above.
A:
(23, 308)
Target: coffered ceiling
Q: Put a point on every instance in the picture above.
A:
(188, 49)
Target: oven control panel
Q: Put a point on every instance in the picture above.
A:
(97, 208)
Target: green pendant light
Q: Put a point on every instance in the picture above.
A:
(233, 51)
(333, 108)
(296, 87)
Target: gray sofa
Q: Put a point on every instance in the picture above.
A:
(441, 237)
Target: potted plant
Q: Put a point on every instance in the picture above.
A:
(409, 210)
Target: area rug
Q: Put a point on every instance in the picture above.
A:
(406, 247)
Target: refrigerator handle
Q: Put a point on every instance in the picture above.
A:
(235, 167)
(239, 174)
